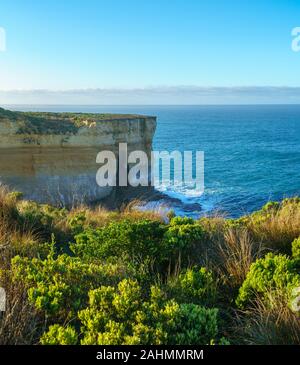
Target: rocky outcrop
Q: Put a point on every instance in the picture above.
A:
(51, 157)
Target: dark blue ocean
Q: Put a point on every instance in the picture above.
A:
(252, 153)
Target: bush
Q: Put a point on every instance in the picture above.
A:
(103, 287)
(15, 195)
(177, 221)
(42, 218)
(296, 248)
(59, 286)
(183, 240)
(142, 241)
(76, 222)
(274, 272)
(118, 316)
(195, 325)
(271, 207)
(193, 286)
(58, 335)
(129, 240)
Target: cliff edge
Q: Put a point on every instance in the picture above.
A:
(51, 157)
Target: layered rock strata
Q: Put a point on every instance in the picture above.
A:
(51, 158)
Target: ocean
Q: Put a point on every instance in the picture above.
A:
(252, 153)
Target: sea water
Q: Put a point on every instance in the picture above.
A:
(252, 152)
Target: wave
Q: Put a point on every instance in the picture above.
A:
(189, 196)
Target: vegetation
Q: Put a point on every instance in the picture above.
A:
(91, 276)
(56, 123)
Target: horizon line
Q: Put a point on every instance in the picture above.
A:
(145, 104)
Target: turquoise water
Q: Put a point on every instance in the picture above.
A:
(252, 153)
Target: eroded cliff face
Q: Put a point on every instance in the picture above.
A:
(60, 168)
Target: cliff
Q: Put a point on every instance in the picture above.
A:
(51, 157)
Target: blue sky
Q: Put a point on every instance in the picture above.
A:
(137, 44)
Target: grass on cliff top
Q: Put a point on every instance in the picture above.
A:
(57, 123)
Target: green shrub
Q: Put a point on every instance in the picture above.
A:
(273, 272)
(195, 285)
(296, 248)
(177, 221)
(142, 241)
(126, 239)
(42, 218)
(271, 206)
(123, 316)
(237, 224)
(183, 239)
(194, 325)
(102, 288)
(59, 286)
(16, 195)
(58, 335)
(76, 222)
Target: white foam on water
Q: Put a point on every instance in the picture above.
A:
(188, 195)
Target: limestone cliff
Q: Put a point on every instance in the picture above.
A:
(51, 157)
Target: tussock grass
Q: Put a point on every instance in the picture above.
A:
(271, 323)
(235, 253)
(277, 228)
(20, 324)
(8, 209)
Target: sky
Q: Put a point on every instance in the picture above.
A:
(149, 51)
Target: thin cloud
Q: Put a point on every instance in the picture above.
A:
(156, 95)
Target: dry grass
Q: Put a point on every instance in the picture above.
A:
(134, 211)
(271, 323)
(8, 210)
(93, 217)
(20, 322)
(233, 249)
(277, 229)
(100, 216)
(26, 243)
(234, 255)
